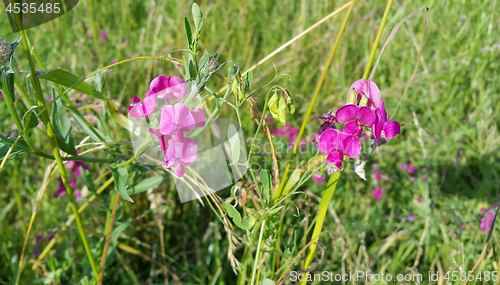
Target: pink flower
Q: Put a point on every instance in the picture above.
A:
(420, 200)
(74, 166)
(376, 166)
(403, 166)
(369, 89)
(378, 176)
(113, 61)
(94, 53)
(168, 88)
(378, 193)
(325, 126)
(411, 169)
(180, 117)
(425, 178)
(424, 170)
(413, 179)
(329, 117)
(161, 137)
(487, 220)
(357, 117)
(62, 190)
(104, 39)
(337, 144)
(364, 138)
(137, 109)
(319, 178)
(38, 238)
(78, 195)
(383, 127)
(410, 218)
(180, 152)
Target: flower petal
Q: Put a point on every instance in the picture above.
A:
(391, 129)
(346, 113)
(328, 141)
(167, 125)
(350, 145)
(135, 108)
(199, 117)
(336, 158)
(149, 103)
(365, 116)
(188, 151)
(180, 170)
(370, 89)
(183, 118)
(351, 128)
(159, 85)
(177, 87)
(163, 139)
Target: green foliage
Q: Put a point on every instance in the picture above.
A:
(120, 175)
(70, 80)
(62, 128)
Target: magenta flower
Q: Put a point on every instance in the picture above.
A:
(137, 109)
(411, 169)
(378, 193)
(168, 88)
(94, 53)
(410, 218)
(180, 117)
(62, 190)
(319, 178)
(104, 38)
(337, 144)
(378, 176)
(383, 127)
(161, 137)
(425, 178)
(325, 126)
(413, 179)
(180, 152)
(329, 117)
(113, 61)
(487, 220)
(357, 117)
(369, 89)
(74, 166)
(38, 238)
(420, 200)
(403, 166)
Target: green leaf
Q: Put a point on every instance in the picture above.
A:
(244, 224)
(121, 175)
(67, 79)
(81, 123)
(266, 178)
(292, 181)
(267, 281)
(62, 128)
(19, 148)
(30, 120)
(145, 185)
(197, 17)
(6, 209)
(275, 211)
(99, 81)
(234, 143)
(7, 83)
(248, 80)
(189, 31)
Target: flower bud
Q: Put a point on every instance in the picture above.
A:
(5, 51)
(282, 108)
(273, 104)
(353, 97)
(290, 102)
(363, 102)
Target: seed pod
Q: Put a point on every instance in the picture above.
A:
(5, 51)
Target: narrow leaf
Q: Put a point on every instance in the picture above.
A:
(197, 17)
(121, 176)
(145, 185)
(62, 128)
(67, 79)
(30, 120)
(234, 143)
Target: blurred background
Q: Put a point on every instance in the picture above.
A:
(438, 181)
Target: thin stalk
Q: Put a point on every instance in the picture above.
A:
(278, 191)
(377, 39)
(258, 251)
(109, 227)
(8, 153)
(55, 149)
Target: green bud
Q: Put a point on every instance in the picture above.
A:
(364, 101)
(273, 105)
(282, 110)
(290, 102)
(234, 86)
(353, 97)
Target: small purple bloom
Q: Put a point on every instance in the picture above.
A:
(378, 176)
(410, 218)
(94, 53)
(38, 238)
(36, 252)
(78, 195)
(319, 178)
(420, 200)
(113, 61)
(404, 166)
(411, 169)
(49, 237)
(413, 179)
(424, 170)
(104, 38)
(378, 193)
(376, 166)
(425, 179)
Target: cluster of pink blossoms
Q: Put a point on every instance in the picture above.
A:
(175, 120)
(487, 219)
(364, 108)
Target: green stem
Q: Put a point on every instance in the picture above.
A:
(53, 141)
(260, 122)
(279, 190)
(377, 39)
(258, 251)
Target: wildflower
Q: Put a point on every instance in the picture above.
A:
(78, 195)
(319, 178)
(62, 190)
(49, 237)
(403, 166)
(420, 200)
(376, 166)
(113, 61)
(38, 238)
(356, 116)
(413, 179)
(424, 170)
(383, 127)
(138, 109)
(161, 137)
(180, 117)
(325, 126)
(365, 88)
(5, 51)
(94, 53)
(378, 176)
(411, 169)
(329, 117)
(168, 88)
(337, 144)
(364, 138)
(377, 193)
(425, 178)
(487, 220)
(74, 166)
(104, 38)
(36, 252)
(180, 152)
(410, 218)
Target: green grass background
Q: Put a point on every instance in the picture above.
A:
(455, 97)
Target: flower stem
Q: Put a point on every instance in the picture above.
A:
(377, 39)
(279, 190)
(53, 141)
(258, 251)
(109, 227)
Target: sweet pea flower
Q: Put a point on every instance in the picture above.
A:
(369, 89)
(113, 61)
(319, 178)
(62, 190)
(383, 127)
(376, 166)
(180, 152)
(487, 220)
(329, 117)
(378, 176)
(38, 238)
(180, 117)
(168, 88)
(137, 109)
(356, 116)
(337, 144)
(161, 137)
(378, 193)
(411, 169)
(420, 200)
